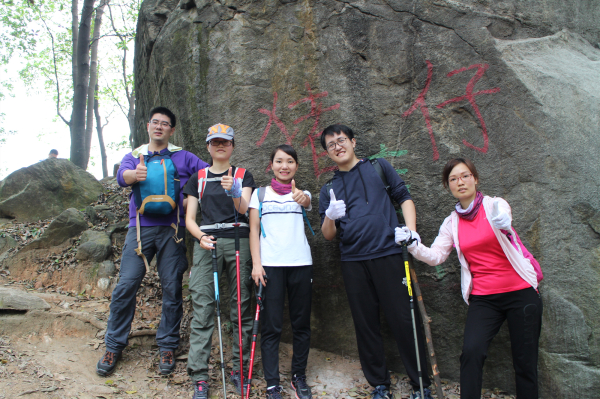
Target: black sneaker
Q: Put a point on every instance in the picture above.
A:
(417, 394)
(275, 392)
(200, 390)
(381, 392)
(107, 363)
(235, 379)
(166, 365)
(301, 387)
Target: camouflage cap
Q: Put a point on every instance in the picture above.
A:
(219, 131)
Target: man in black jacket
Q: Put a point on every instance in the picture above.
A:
(357, 204)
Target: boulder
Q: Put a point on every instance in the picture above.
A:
(91, 214)
(120, 227)
(512, 85)
(11, 299)
(45, 189)
(68, 224)
(94, 245)
(6, 243)
(106, 269)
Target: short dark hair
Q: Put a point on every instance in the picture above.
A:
(332, 130)
(166, 112)
(53, 151)
(288, 149)
(457, 161)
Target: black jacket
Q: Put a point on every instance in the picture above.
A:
(367, 229)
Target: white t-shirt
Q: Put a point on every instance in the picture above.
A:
(285, 243)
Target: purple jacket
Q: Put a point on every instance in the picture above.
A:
(186, 163)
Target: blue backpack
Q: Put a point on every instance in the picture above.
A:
(158, 194)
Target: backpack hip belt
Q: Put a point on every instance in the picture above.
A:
(218, 226)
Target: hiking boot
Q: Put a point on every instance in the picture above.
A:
(107, 363)
(301, 387)
(275, 392)
(417, 394)
(235, 379)
(166, 365)
(200, 390)
(381, 392)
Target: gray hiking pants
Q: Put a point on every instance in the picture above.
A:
(203, 298)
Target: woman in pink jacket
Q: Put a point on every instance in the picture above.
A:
(498, 282)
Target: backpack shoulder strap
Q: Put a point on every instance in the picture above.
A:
(261, 198)
(202, 174)
(239, 173)
(379, 171)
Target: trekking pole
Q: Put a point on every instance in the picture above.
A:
(259, 306)
(218, 301)
(405, 257)
(426, 320)
(239, 304)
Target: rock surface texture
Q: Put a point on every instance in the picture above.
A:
(512, 85)
(45, 189)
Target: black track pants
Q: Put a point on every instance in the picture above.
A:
(523, 310)
(298, 282)
(376, 283)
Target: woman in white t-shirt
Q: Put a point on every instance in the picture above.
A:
(281, 252)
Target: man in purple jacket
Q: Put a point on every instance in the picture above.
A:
(157, 238)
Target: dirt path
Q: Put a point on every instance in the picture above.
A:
(53, 354)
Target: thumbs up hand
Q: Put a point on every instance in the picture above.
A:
(227, 181)
(337, 208)
(500, 219)
(298, 195)
(141, 171)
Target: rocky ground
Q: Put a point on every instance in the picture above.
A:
(53, 353)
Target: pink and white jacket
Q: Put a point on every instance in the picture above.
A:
(448, 238)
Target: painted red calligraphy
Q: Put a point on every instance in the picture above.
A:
(470, 97)
(316, 110)
(273, 118)
(422, 105)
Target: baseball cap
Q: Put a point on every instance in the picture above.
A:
(219, 131)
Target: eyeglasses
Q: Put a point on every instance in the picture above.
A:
(464, 178)
(224, 143)
(340, 141)
(156, 122)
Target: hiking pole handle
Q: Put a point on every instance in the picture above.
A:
(214, 258)
(236, 229)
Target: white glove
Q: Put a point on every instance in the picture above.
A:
(337, 209)
(404, 234)
(500, 220)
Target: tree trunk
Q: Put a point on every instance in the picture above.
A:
(78, 115)
(93, 81)
(74, 30)
(99, 129)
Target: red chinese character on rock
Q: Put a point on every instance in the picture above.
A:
(315, 112)
(470, 97)
(273, 118)
(422, 105)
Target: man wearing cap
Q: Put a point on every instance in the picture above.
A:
(158, 237)
(223, 192)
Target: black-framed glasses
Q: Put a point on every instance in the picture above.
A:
(156, 122)
(340, 141)
(216, 143)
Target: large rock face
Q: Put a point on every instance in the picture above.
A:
(513, 85)
(45, 189)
